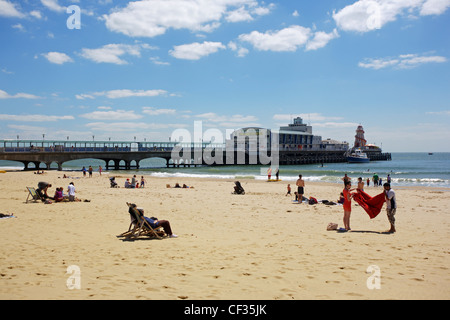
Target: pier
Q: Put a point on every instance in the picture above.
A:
(118, 155)
(122, 155)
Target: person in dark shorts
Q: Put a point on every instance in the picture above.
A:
(300, 188)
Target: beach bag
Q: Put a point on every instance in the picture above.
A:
(312, 200)
(332, 226)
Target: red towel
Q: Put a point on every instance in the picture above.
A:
(372, 205)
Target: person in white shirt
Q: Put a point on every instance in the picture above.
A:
(71, 191)
(391, 205)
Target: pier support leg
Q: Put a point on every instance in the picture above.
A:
(25, 163)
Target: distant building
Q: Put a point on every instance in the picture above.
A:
(334, 145)
(297, 136)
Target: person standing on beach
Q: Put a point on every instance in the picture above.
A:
(347, 204)
(90, 171)
(391, 205)
(346, 179)
(375, 180)
(360, 184)
(300, 188)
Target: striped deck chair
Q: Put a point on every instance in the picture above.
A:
(34, 195)
(139, 227)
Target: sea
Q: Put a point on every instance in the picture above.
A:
(405, 169)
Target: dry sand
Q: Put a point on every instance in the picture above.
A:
(256, 246)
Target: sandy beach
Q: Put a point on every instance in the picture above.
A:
(257, 246)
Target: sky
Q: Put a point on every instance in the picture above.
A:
(120, 70)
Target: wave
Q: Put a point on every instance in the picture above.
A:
(430, 182)
(13, 168)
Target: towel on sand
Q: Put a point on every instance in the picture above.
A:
(6, 216)
(372, 205)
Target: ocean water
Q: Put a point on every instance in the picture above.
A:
(405, 169)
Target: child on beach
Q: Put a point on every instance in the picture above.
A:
(288, 190)
(143, 181)
(347, 204)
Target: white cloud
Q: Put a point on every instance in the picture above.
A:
(130, 126)
(232, 121)
(241, 51)
(19, 27)
(152, 18)
(5, 95)
(321, 39)
(111, 115)
(122, 93)
(214, 117)
(434, 7)
(157, 61)
(335, 124)
(156, 112)
(196, 50)
(111, 53)
(53, 5)
(406, 61)
(305, 116)
(34, 118)
(440, 113)
(10, 10)
(239, 15)
(35, 13)
(57, 57)
(288, 39)
(368, 15)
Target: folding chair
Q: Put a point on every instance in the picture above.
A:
(34, 195)
(139, 227)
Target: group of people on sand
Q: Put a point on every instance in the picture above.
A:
(376, 180)
(346, 199)
(300, 183)
(59, 196)
(134, 184)
(91, 170)
(390, 199)
(177, 186)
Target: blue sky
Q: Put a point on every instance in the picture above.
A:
(146, 68)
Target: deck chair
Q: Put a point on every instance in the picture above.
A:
(34, 195)
(139, 227)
